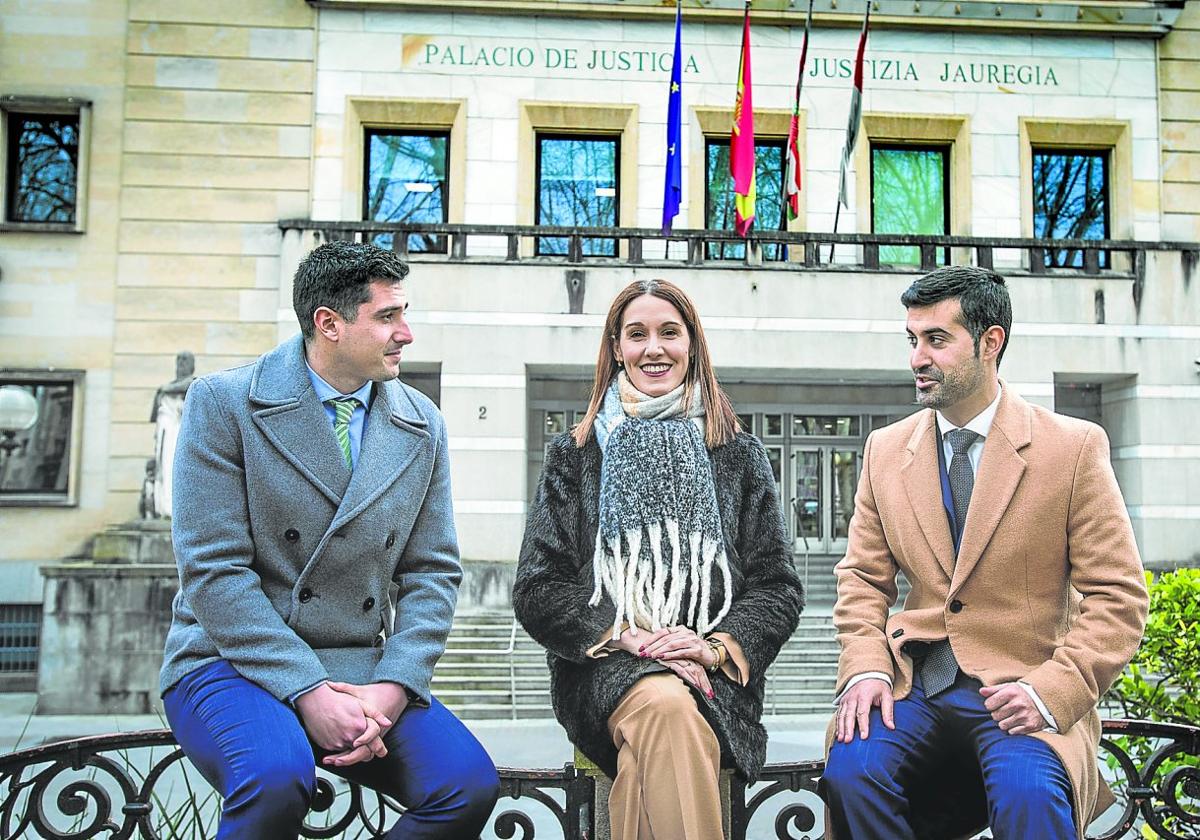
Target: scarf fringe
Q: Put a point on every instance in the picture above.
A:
(637, 580)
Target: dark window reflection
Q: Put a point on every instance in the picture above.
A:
(909, 194)
(43, 163)
(577, 187)
(406, 182)
(768, 201)
(1070, 201)
(38, 460)
(826, 425)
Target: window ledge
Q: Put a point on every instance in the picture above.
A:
(38, 227)
(36, 500)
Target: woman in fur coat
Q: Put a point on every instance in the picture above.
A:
(657, 572)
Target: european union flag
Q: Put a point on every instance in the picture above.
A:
(673, 186)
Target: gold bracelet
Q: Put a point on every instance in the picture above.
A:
(718, 649)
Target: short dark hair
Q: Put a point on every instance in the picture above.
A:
(981, 294)
(338, 275)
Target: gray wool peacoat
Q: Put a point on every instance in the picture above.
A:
(554, 582)
(291, 567)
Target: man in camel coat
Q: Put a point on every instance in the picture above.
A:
(1028, 597)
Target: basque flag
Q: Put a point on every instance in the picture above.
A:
(673, 186)
(741, 141)
(855, 120)
(791, 186)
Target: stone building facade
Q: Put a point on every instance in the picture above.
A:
(219, 139)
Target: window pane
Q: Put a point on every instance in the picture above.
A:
(20, 628)
(845, 483)
(747, 421)
(775, 458)
(1070, 200)
(718, 197)
(826, 425)
(406, 182)
(556, 422)
(773, 424)
(37, 460)
(908, 195)
(577, 187)
(807, 503)
(43, 155)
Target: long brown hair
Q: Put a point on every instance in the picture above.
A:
(721, 423)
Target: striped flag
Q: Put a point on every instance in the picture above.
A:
(741, 140)
(792, 180)
(855, 120)
(673, 185)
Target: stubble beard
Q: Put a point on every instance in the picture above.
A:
(954, 385)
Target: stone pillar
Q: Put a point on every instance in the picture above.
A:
(104, 619)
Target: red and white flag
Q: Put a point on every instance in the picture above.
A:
(855, 119)
(791, 184)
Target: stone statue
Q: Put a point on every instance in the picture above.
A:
(166, 416)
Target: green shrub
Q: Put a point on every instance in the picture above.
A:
(1162, 682)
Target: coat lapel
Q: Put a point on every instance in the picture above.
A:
(923, 485)
(395, 435)
(1000, 470)
(292, 419)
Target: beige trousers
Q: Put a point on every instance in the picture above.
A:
(668, 765)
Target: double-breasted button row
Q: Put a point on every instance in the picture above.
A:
(368, 605)
(291, 535)
(306, 595)
(956, 606)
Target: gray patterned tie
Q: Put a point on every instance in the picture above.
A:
(940, 667)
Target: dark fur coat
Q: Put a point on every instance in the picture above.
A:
(554, 582)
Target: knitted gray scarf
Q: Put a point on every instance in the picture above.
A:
(660, 531)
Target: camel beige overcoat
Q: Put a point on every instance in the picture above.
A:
(1048, 586)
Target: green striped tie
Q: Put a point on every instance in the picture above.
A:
(343, 408)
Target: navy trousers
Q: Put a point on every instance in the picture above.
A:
(867, 782)
(253, 750)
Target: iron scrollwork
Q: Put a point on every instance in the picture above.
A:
(130, 784)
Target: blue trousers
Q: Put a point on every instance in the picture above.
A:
(867, 782)
(253, 750)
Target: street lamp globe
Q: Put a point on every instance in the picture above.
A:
(18, 409)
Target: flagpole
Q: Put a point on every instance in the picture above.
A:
(853, 123)
(741, 139)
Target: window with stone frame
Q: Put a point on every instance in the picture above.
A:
(769, 163)
(39, 459)
(1070, 200)
(41, 165)
(910, 194)
(577, 185)
(406, 179)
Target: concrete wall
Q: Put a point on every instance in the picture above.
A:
(58, 290)
(1179, 79)
(217, 141)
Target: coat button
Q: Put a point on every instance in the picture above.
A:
(368, 605)
(956, 606)
(898, 633)
(291, 535)
(305, 595)
(391, 541)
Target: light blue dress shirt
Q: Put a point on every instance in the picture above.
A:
(358, 420)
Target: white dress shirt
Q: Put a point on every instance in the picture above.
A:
(980, 424)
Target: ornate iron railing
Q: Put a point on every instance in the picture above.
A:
(112, 786)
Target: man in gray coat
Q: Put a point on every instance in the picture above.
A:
(318, 568)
